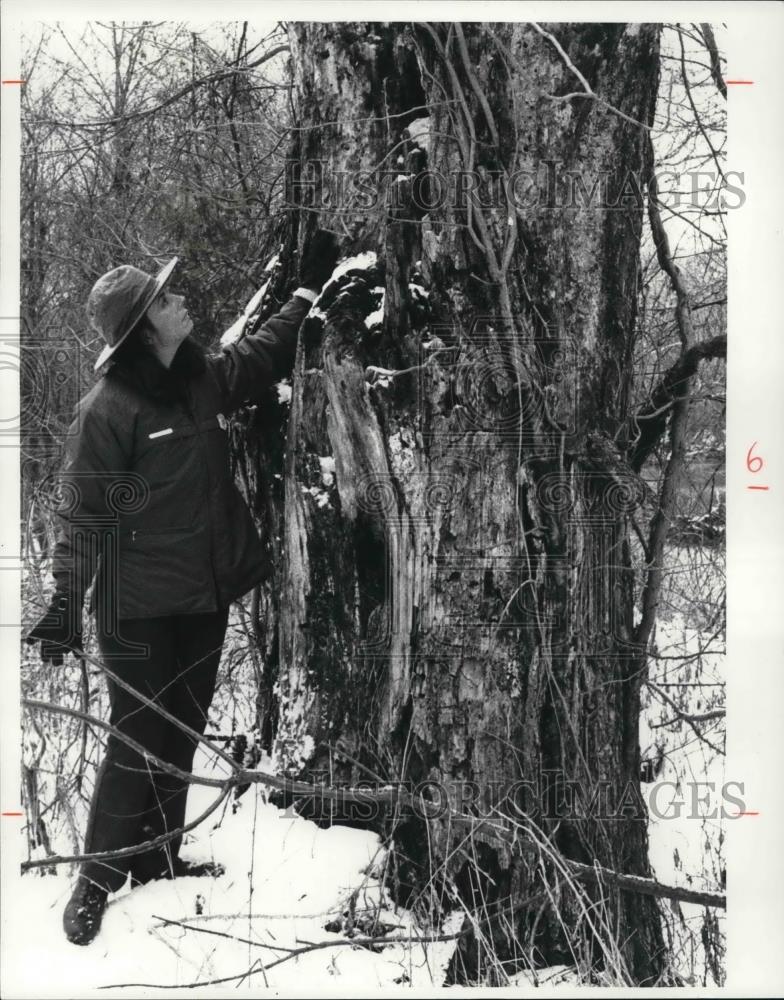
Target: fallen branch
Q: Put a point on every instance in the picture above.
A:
(364, 942)
(74, 713)
(293, 953)
(646, 886)
(243, 776)
(716, 713)
(304, 789)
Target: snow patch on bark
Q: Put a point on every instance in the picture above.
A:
(419, 133)
(293, 748)
(327, 466)
(381, 377)
(362, 262)
(402, 454)
(377, 316)
(320, 496)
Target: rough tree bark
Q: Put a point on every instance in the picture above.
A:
(455, 603)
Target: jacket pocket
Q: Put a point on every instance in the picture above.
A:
(165, 570)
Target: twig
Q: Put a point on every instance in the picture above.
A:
(47, 706)
(716, 713)
(697, 118)
(295, 953)
(166, 921)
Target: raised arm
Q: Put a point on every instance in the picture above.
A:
(244, 370)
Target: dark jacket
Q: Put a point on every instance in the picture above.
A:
(146, 489)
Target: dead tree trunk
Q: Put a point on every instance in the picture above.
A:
(456, 598)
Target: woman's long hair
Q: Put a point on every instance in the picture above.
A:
(135, 363)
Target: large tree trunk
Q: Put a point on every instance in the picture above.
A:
(455, 603)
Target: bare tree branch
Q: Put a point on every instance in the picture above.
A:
(124, 852)
(183, 92)
(713, 52)
(716, 713)
(697, 117)
(47, 706)
(674, 382)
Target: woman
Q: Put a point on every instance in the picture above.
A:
(155, 517)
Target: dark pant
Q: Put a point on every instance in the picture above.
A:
(134, 800)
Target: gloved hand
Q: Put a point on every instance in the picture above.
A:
(59, 630)
(318, 260)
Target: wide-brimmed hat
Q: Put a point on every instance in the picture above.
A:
(118, 301)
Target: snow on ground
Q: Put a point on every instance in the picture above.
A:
(677, 845)
(291, 876)
(686, 827)
(294, 878)
(554, 975)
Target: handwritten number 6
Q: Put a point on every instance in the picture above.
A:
(753, 462)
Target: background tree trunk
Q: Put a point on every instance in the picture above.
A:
(456, 600)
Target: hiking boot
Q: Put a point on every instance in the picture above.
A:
(84, 912)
